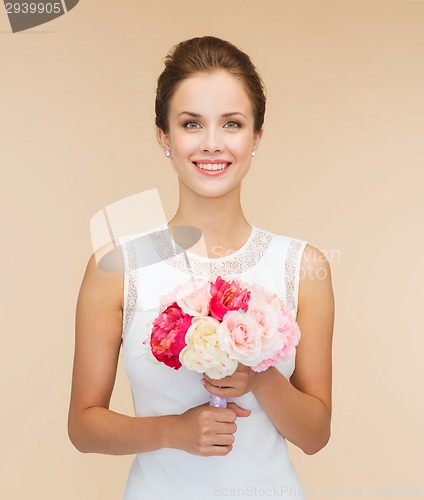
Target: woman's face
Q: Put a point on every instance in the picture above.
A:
(210, 121)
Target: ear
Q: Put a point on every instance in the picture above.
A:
(257, 138)
(163, 139)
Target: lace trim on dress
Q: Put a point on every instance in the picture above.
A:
(290, 274)
(243, 259)
(131, 280)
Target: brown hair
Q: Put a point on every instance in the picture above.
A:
(207, 54)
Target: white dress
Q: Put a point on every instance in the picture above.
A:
(258, 465)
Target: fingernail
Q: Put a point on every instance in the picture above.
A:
(203, 381)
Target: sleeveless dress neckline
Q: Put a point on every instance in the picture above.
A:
(240, 250)
(246, 257)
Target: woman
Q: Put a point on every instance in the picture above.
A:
(210, 107)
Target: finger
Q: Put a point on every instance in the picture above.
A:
(226, 428)
(222, 392)
(223, 382)
(224, 439)
(224, 415)
(240, 412)
(219, 450)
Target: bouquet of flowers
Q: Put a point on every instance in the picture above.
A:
(210, 327)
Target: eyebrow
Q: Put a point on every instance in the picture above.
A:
(224, 115)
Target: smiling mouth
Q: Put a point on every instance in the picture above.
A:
(212, 166)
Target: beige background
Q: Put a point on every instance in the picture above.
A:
(340, 165)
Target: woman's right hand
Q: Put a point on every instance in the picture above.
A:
(205, 430)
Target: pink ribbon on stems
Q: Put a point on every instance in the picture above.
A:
(217, 401)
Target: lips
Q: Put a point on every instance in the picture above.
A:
(214, 169)
(212, 162)
(212, 166)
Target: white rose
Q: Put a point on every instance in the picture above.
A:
(202, 352)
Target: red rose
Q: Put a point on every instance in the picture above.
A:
(227, 296)
(168, 335)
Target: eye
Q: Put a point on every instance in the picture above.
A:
(233, 124)
(188, 124)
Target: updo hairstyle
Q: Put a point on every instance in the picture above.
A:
(207, 54)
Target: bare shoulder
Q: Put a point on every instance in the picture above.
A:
(316, 298)
(104, 276)
(314, 264)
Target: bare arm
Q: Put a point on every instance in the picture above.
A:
(300, 409)
(92, 426)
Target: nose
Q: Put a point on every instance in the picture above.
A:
(211, 141)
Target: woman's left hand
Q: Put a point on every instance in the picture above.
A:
(239, 383)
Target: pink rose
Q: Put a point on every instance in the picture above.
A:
(266, 363)
(240, 336)
(170, 298)
(272, 339)
(193, 297)
(260, 293)
(265, 316)
(281, 346)
(289, 329)
(227, 296)
(166, 300)
(168, 335)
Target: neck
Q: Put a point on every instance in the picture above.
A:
(220, 218)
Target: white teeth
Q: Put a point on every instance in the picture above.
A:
(211, 166)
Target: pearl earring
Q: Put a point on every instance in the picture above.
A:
(253, 153)
(167, 153)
